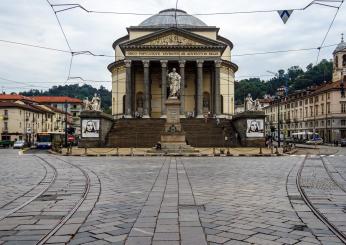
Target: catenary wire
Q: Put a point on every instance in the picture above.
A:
(330, 26)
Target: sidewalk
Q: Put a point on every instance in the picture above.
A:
(248, 151)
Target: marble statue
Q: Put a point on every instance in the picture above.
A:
(94, 104)
(249, 103)
(174, 80)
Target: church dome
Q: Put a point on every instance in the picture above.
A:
(341, 46)
(166, 18)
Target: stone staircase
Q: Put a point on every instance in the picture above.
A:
(146, 132)
(138, 133)
(207, 134)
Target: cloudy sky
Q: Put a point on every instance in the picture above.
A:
(33, 22)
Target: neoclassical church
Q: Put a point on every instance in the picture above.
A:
(172, 39)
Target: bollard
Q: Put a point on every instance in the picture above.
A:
(214, 151)
(228, 152)
(272, 150)
(117, 150)
(260, 152)
(85, 151)
(131, 151)
(277, 150)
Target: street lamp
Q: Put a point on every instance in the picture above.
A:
(279, 94)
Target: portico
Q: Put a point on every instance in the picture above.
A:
(149, 53)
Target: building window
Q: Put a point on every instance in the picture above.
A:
(328, 122)
(300, 103)
(322, 97)
(311, 111)
(343, 107)
(328, 96)
(328, 107)
(6, 126)
(311, 100)
(6, 113)
(322, 109)
(343, 122)
(74, 114)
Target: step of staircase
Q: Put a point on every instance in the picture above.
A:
(147, 132)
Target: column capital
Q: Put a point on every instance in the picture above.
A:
(218, 63)
(199, 63)
(146, 63)
(163, 63)
(127, 63)
(182, 63)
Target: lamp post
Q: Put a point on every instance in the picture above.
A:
(279, 94)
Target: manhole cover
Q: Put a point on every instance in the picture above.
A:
(49, 216)
(47, 197)
(295, 198)
(198, 207)
(300, 227)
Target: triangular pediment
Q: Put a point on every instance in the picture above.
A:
(172, 37)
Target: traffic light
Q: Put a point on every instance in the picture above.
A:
(71, 130)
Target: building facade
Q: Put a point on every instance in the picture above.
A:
(74, 107)
(21, 118)
(172, 39)
(320, 109)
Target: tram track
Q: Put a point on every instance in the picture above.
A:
(43, 180)
(54, 180)
(315, 210)
(44, 239)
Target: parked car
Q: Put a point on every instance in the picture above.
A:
(20, 144)
(6, 143)
(316, 141)
(343, 142)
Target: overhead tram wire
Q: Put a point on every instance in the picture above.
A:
(329, 28)
(87, 52)
(70, 6)
(67, 42)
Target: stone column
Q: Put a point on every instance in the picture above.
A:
(146, 88)
(199, 103)
(182, 88)
(217, 88)
(128, 112)
(163, 87)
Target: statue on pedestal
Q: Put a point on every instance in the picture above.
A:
(249, 103)
(174, 80)
(94, 104)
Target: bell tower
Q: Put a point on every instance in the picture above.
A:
(339, 64)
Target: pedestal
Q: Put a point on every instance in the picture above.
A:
(173, 138)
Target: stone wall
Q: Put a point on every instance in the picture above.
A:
(106, 123)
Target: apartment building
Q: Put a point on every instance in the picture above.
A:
(74, 106)
(22, 118)
(320, 109)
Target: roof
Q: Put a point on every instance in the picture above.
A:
(326, 87)
(21, 106)
(14, 97)
(57, 110)
(172, 17)
(55, 99)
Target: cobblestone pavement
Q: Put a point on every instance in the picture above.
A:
(18, 175)
(157, 200)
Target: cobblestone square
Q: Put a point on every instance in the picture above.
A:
(48, 199)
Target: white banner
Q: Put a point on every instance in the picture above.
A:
(255, 128)
(90, 128)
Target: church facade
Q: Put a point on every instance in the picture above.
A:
(172, 39)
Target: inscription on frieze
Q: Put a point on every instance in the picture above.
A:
(173, 53)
